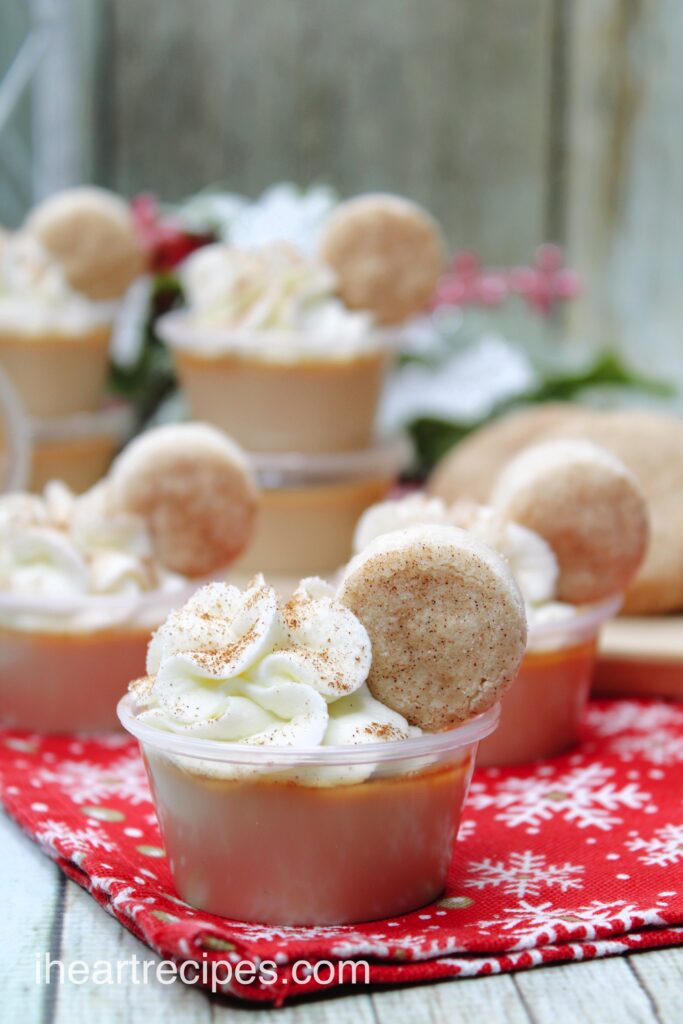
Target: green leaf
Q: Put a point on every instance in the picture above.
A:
(434, 437)
(152, 378)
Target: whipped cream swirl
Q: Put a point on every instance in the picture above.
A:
(272, 302)
(69, 564)
(35, 296)
(241, 667)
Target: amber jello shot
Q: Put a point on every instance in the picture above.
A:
(66, 661)
(85, 579)
(309, 759)
(310, 505)
(571, 523)
(62, 278)
(267, 352)
(541, 714)
(288, 351)
(327, 835)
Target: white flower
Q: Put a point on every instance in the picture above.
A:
(283, 213)
(464, 388)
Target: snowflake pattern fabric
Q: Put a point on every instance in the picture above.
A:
(570, 859)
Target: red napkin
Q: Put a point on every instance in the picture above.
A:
(571, 859)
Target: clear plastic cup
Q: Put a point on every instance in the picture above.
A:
(78, 449)
(331, 835)
(310, 505)
(541, 712)
(309, 404)
(15, 439)
(59, 679)
(55, 374)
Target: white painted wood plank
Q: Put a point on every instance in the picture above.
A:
(491, 999)
(29, 897)
(625, 215)
(661, 974)
(90, 934)
(594, 992)
(353, 1009)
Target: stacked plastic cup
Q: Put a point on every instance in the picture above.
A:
(309, 426)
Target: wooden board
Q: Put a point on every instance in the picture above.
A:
(641, 656)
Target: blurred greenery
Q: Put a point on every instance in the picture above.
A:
(150, 380)
(434, 437)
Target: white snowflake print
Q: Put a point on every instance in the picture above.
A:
(132, 784)
(523, 874)
(62, 839)
(621, 716)
(253, 932)
(661, 747)
(111, 741)
(583, 796)
(665, 846)
(347, 941)
(122, 895)
(539, 924)
(91, 783)
(473, 966)
(466, 829)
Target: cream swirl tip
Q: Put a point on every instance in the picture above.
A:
(241, 666)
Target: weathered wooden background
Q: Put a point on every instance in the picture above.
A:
(516, 122)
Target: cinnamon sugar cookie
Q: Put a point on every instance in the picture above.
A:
(387, 253)
(193, 487)
(446, 621)
(588, 507)
(91, 233)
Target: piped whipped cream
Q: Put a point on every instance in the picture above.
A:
(272, 302)
(70, 564)
(35, 296)
(531, 559)
(243, 667)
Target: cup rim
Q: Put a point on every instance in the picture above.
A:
(215, 341)
(100, 313)
(282, 469)
(428, 744)
(18, 432)
(584, 624)
(124, 605)
(115, 420)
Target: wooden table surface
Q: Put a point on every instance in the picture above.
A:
(43, 911)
